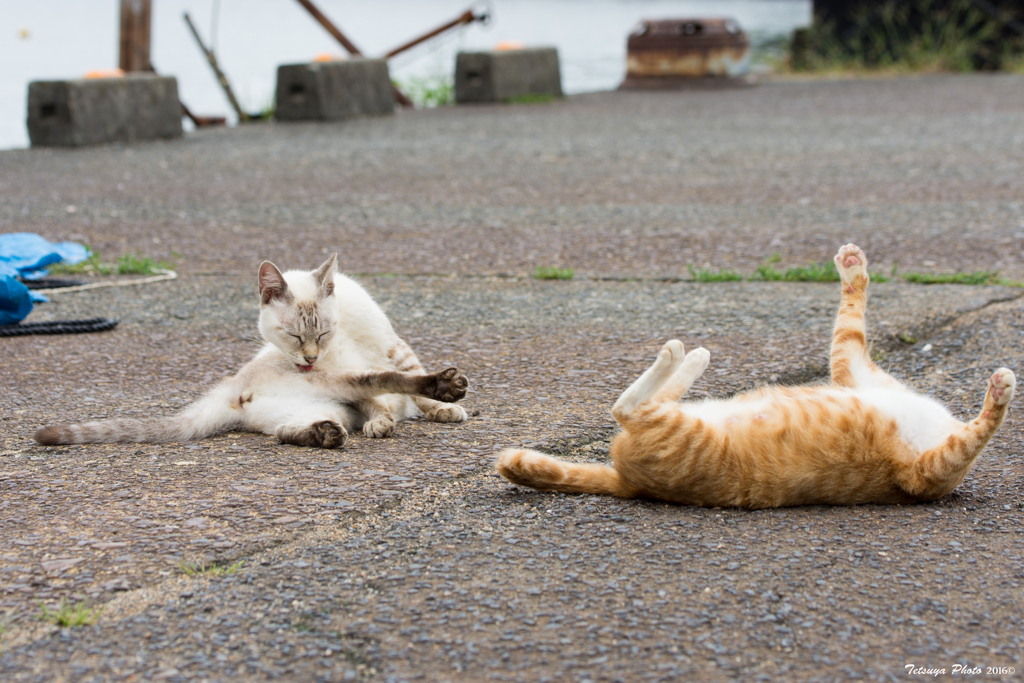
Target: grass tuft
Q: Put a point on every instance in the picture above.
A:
(720, 275)
(201, 568)
(812, 272)
(134, 264)
(69, 614)
(129, 264)
(768, 272)
(978, 277)
(551, 273)
(429, 91)
(826, 272)
(90, 266)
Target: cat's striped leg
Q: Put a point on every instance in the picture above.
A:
(404, 359)
(447, 385)
(849, 342)
(938, 471)
(650, 383)
(849, 360)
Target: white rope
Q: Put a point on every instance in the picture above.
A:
(165, 275)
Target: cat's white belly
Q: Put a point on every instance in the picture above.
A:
(923, 422)
(724, 413)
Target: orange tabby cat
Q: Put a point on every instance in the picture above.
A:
(864, 438)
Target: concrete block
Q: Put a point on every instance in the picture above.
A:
(501, 75)
(326, 91)
(89, 112)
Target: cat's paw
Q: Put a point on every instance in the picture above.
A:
(379, 428)
(447, 413)
(670, 356)
(696, 362)
(675, 350)
(852, 265)
(328, 434)
(1001, 385)
(447, 386)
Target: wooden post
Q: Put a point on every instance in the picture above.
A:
(135, 33)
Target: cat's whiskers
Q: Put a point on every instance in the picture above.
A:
(255, 340)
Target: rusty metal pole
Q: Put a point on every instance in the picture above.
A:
(347, 44)
(133, 54)
(466, 17)
(331, 28)
(221, 78)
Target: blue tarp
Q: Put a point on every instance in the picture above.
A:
(15, 301)
(26, 255)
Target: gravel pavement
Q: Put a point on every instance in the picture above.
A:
(408, 558)
(611, 184)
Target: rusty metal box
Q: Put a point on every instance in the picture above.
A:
(505, 74)
(325, 91)
(679, 49)
(93, 111)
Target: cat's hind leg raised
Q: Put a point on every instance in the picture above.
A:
(849, 360)
(938, 471)
(671, 375)
(694, 364)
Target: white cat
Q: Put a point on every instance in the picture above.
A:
(332, 363)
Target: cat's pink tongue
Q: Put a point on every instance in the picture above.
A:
(305, 368)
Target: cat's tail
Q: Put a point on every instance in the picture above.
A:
(207, 416)
(544, 473)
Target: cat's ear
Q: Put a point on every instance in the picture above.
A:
(272, 284)
(324, 276)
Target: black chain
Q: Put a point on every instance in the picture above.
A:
(50, 283)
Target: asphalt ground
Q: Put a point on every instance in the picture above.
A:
(611, 184)
(407, 558)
